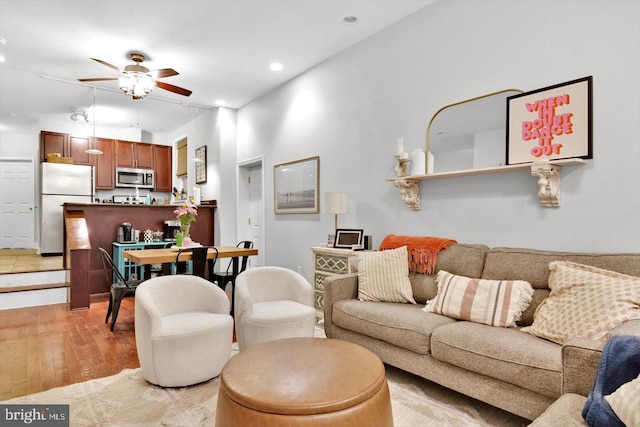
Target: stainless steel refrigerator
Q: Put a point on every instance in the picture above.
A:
(60, 183)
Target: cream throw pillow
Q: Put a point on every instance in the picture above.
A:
(384, 276)
(491, 302)
(625, 402)
(585, 302)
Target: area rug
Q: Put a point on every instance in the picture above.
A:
(126, 399)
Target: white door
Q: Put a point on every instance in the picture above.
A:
(250, 208)
(17, 195)
(256, 210)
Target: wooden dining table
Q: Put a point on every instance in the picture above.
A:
(147, 257)
(166, 256)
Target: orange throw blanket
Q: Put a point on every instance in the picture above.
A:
(423, 251)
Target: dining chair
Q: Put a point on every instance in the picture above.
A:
(199, 261)
(157, 269)
(120, 287)
(224, 277)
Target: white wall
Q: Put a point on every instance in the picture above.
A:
(217, 130)
(351, 109)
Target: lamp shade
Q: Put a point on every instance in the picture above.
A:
(336, 203)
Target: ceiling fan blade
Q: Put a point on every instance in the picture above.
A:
(172, 88)
(98, 79)
(107, 64)
(164, 72)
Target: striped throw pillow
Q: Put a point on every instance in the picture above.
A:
(384, 276)
(491, 302)
(625, 402)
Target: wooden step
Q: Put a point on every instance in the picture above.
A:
(16, 252)
(24, 288)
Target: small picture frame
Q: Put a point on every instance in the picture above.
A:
(349, 238)
(551, 123)
(201, 164)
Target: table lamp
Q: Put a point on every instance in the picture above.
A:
(337, 204)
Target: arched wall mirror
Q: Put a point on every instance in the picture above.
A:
(469, 134)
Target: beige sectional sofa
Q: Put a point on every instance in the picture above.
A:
(507, 368)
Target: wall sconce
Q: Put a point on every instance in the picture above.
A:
(337, 204)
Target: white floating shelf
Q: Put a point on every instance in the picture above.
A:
(547, 172)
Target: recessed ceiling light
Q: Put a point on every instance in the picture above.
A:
(275, 66)
(221, 102)
(350, 20)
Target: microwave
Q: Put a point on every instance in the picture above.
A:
(140, 178)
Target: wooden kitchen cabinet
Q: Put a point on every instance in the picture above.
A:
(67, 145)
(125, 155)
(52, 142)
(163, 167)
(105, 164)
(144, 155)
(77, 149)
(131, 154)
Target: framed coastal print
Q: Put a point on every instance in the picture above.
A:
(296, 186)
(551, 123)
(201, 164)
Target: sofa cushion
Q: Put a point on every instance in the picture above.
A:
(565, 412)
(403, 325)
(462, 259)
(384, 276)
(532, 265)
(491, 302)
(585, 301)
(502, 353)
(424, 287)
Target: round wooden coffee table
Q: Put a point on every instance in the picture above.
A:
(304, 381)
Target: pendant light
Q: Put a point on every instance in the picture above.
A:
(196, 159)
(93, 149)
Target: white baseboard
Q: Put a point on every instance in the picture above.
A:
(33, 298)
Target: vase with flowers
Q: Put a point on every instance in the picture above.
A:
(186, 214)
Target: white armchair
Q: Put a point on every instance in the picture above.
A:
(272, 303)
(183, 328)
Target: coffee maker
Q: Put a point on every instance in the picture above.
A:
(171, 227)
(125, 233)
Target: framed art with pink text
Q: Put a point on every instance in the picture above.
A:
(551, 123)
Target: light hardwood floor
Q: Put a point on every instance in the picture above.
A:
(51, 346)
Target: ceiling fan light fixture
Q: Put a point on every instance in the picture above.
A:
(138, 85)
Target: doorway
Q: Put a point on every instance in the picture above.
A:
(251, 208)
(17, 198)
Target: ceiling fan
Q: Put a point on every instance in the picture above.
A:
(137, 80)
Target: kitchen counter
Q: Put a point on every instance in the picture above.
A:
(103, 220)
(126, 205)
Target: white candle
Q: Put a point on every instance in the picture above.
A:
(400, 145)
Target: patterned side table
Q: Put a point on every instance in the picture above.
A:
(328, 262)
